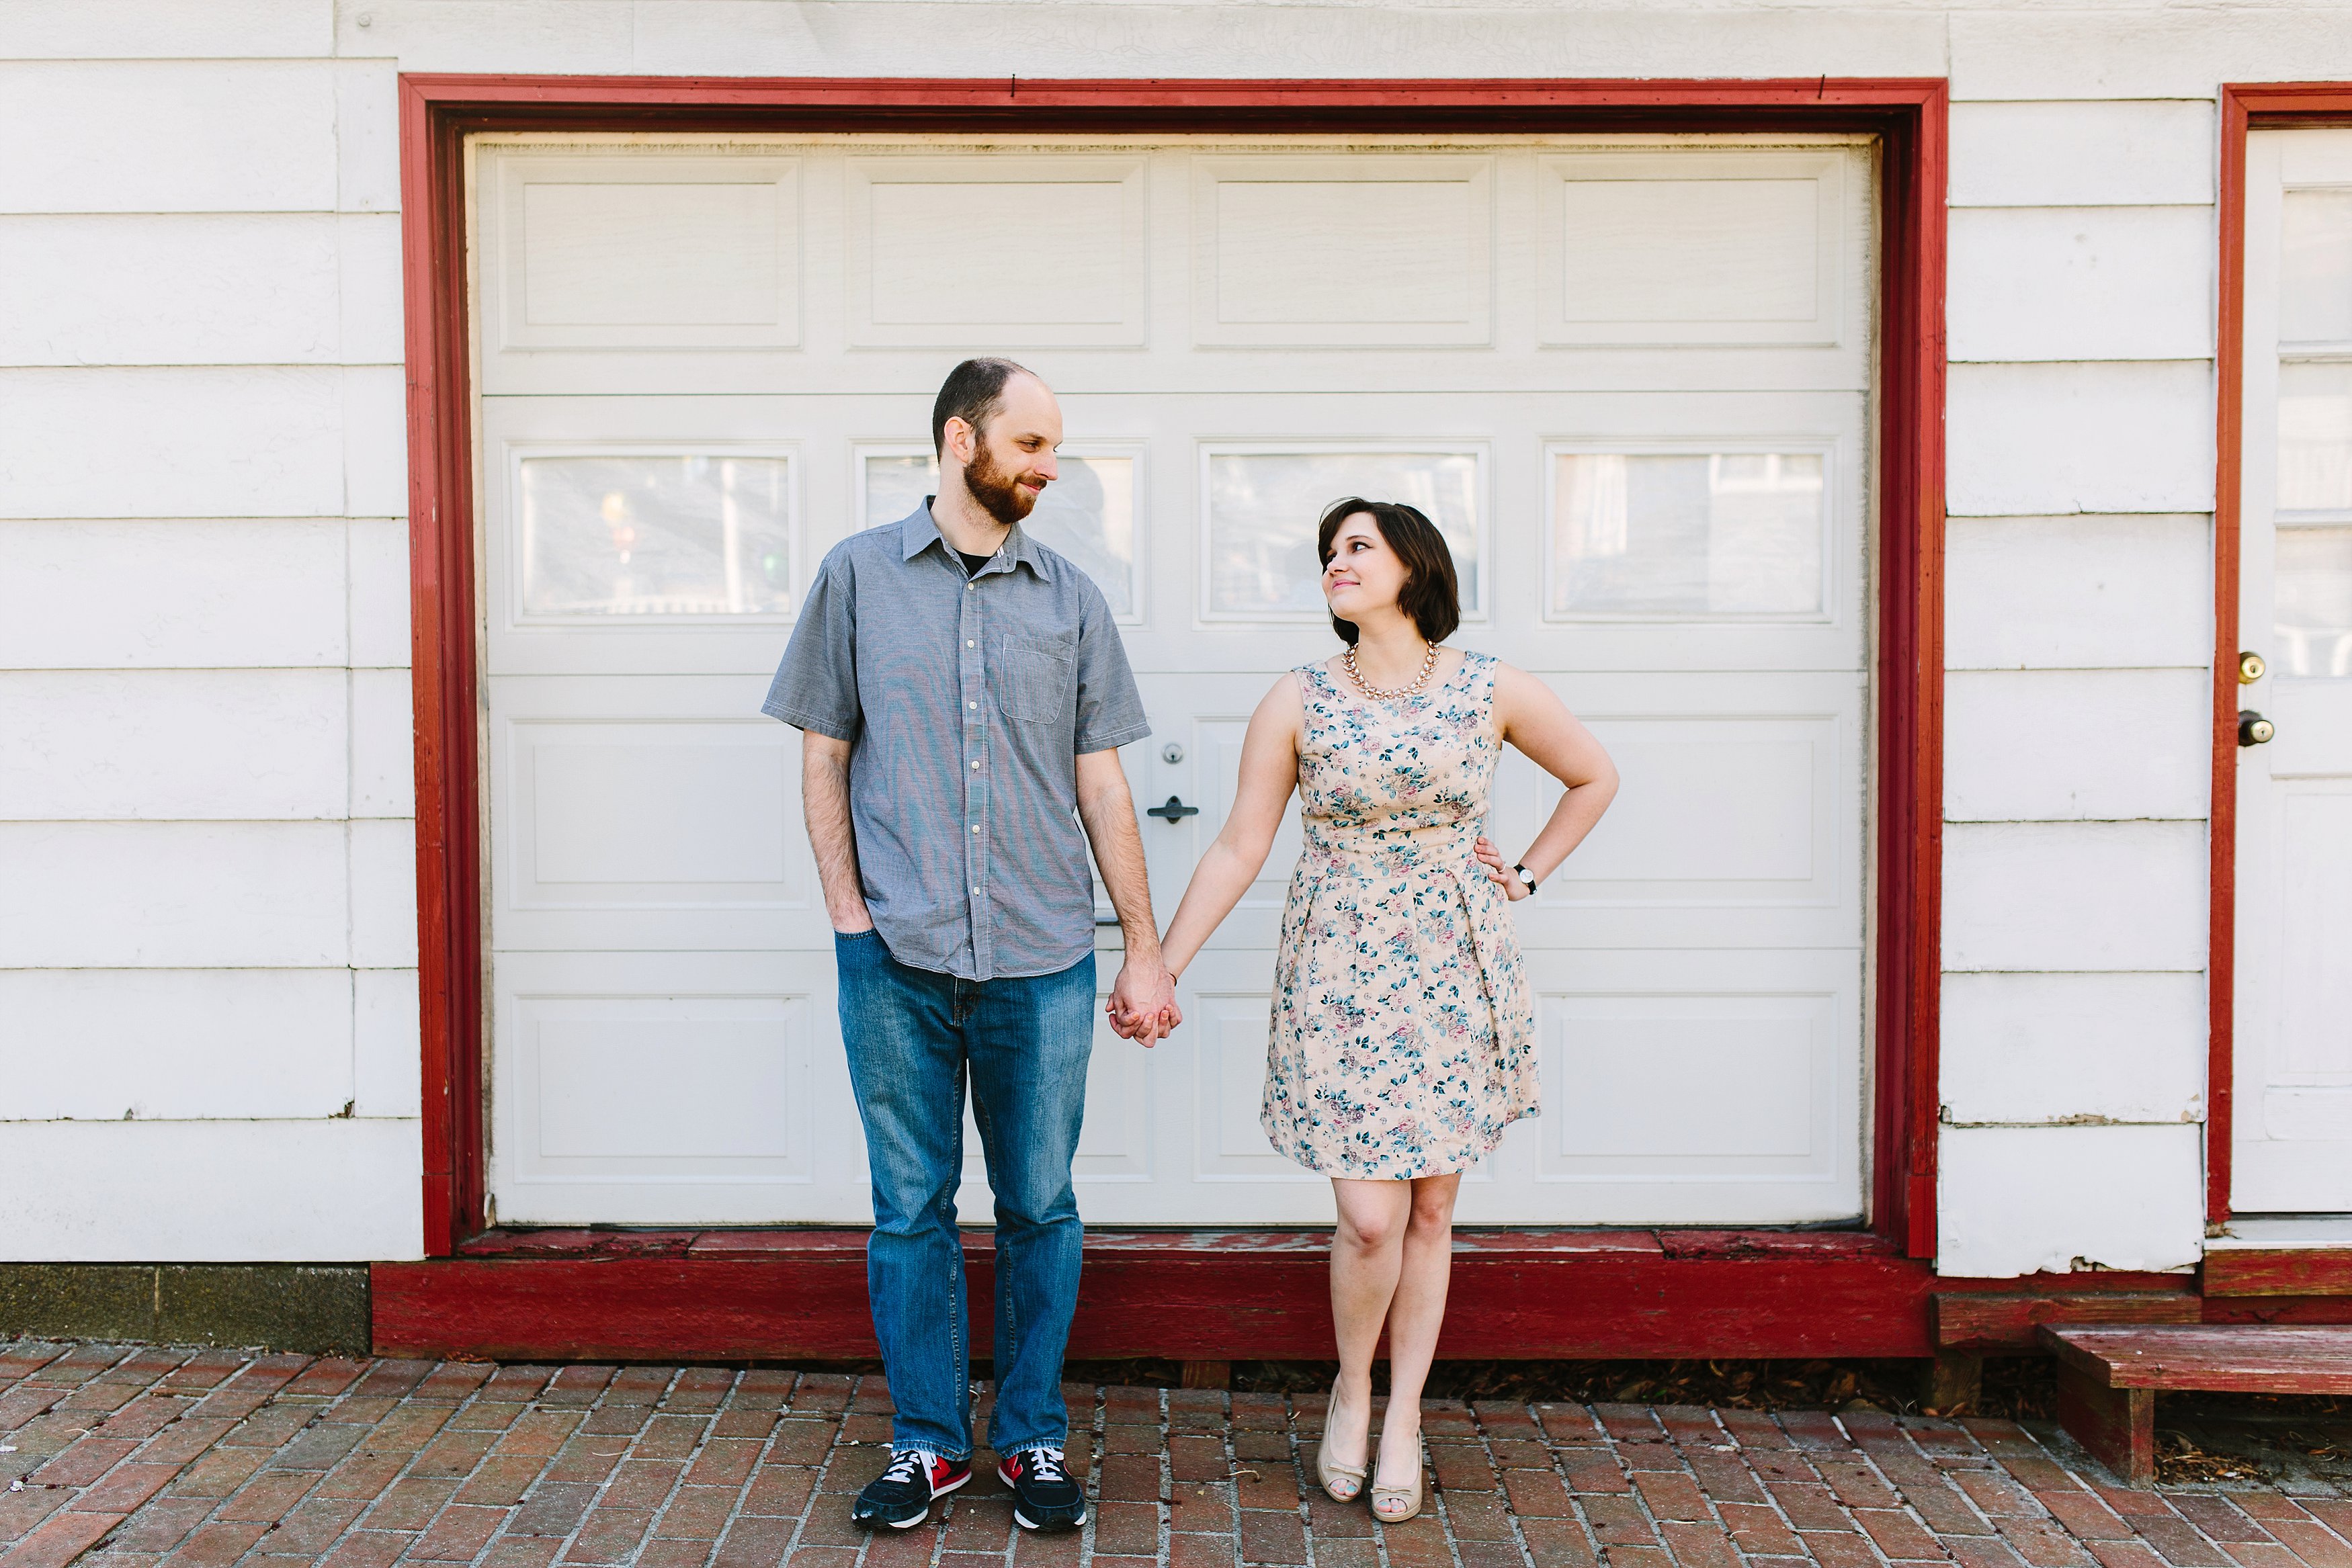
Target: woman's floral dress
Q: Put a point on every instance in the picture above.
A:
(1403, 1037)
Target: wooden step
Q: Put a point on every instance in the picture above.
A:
(2108, 1376)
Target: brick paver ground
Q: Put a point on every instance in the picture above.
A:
(131, 1457)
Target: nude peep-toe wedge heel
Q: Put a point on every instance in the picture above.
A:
(1395, 1505)
(1341, 1483)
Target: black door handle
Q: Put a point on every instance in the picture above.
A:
(1174, 810)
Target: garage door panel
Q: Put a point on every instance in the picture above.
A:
(1696, 250)
(1282, 262)
(1047, 251)
(1366, 251)
(637, 1088)
(621, 249)
(646, 813)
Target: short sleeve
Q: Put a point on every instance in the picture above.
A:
(815, 688)
(1111, 710)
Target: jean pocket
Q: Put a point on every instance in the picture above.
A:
(1032, 676)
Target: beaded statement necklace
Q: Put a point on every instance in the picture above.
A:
(1428, 667)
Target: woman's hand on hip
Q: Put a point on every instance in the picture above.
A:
(1498, 870)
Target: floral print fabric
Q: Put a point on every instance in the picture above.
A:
(1402, 1036)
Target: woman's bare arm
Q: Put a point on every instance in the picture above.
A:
(1269, 773)
(1532, 718)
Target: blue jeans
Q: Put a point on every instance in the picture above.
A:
(913, 1037)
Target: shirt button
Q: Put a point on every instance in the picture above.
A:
(975, 762)
(970, 586)
(975, 827)
(972, 704)
(967, 641)
(975, 892)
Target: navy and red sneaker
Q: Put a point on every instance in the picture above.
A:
(901, 1496)
(1044, 1498)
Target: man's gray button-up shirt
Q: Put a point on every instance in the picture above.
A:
(967, 702)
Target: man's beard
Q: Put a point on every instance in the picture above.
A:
(1000, 495)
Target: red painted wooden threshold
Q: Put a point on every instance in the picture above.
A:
(786, 1295)
(1908, 115)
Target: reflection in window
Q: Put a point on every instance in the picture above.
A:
(2314, 420)
(2312, 602)
(694, 534)
(1263, 506)
(1086, 515)
(1736, 533)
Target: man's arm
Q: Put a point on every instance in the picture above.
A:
(824, 800)
(1143, 999)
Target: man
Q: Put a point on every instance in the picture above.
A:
(960, 689)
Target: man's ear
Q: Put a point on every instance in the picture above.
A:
(957, 442)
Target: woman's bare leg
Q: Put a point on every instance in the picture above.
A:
(1416, 1314)
(1367, 1251)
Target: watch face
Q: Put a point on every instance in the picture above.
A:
(1526, 877)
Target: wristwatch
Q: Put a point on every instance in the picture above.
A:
(1525, 876)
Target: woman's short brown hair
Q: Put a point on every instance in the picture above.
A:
(1430, 594)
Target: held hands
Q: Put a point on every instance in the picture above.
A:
(1498, 870)
(1142, 1002)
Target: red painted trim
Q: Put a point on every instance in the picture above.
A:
(1604, 1294)
(1910, 684)
(2280, 1271)
(436, 111)
(441, 654)
(2244, 107)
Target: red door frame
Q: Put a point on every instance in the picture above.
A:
(1909, 115)
(2245, 106)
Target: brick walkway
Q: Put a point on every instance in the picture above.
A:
(136, 1457)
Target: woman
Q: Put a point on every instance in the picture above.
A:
(1402, 1033)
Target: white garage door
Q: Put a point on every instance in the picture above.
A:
(1630, 378)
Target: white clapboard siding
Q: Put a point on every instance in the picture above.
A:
(146, 289)
(367, 134)
(112, 1045)
(375, 441)
(322, 1191)
(378, 605)
(371, 322)
(156, 595)
(2075, 895)
(2034, 1049)
(2081, 154)
(2032, 439)
(2151, 53)
(2081, 283)
(384, 744)
(386, 1067)
(2024, 1200)
(167, 136)
(2081, 592)
(173, 894)
(2066, 745)
(384, 895)
(173, 744)
(246, 441)
(986, 40)
(166, 29)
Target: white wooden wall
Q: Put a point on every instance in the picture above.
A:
(207, 934)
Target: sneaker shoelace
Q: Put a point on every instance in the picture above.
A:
(909, 1465)
(1045, 1465)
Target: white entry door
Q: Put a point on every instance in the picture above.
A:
(2293, 1029)
(1632, 382)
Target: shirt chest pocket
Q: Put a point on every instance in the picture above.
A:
(1031, 677)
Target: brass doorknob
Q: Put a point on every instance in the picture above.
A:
(2253, 729)
(2251, 668)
